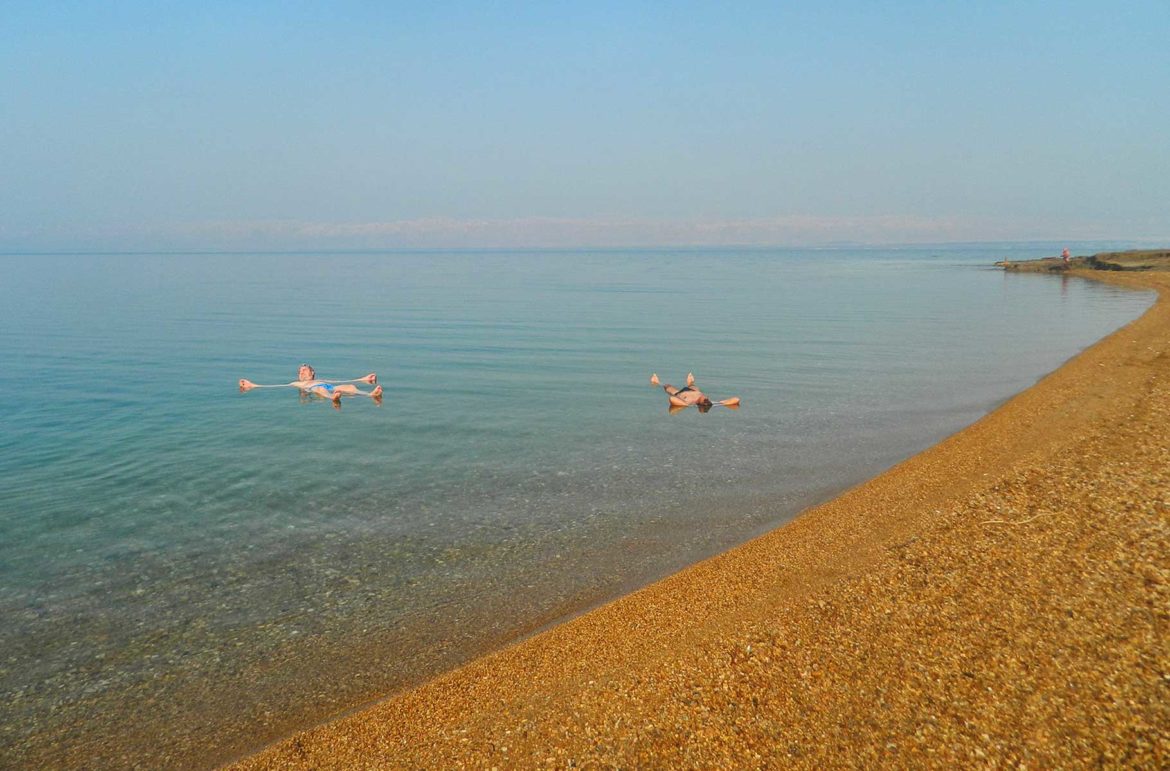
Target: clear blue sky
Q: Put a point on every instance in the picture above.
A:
(356, 125)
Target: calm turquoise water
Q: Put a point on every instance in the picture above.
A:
(187, 572)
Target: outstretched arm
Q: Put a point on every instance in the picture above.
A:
(369, 379)
(248, 385)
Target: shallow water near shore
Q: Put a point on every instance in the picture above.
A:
(187, 572)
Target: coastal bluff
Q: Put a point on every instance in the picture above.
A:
(1133, 260)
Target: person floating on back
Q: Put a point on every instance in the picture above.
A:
(691, 396)
(333, 390)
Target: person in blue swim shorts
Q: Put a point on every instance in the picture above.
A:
(308, 383)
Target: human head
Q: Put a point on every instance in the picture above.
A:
(306, 373)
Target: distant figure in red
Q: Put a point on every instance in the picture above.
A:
(1064, 255)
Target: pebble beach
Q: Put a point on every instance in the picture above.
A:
(1000, 600)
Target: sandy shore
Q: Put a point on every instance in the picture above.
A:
(1002, 599)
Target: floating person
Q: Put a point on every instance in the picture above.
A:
(308, 383)
(691, 396)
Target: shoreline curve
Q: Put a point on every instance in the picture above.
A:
(1002, 597)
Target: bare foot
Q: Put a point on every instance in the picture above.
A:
(376, 394)
(336, 401)
(246, 385)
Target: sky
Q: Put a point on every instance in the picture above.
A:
(358, 125)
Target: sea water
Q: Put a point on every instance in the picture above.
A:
(188, 572)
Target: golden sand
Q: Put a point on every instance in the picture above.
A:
(1002, 599)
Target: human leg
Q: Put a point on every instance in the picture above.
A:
(351, 390)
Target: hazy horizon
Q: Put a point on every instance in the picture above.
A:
(1025, 245)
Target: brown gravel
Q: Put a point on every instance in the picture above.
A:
(1001, 600)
